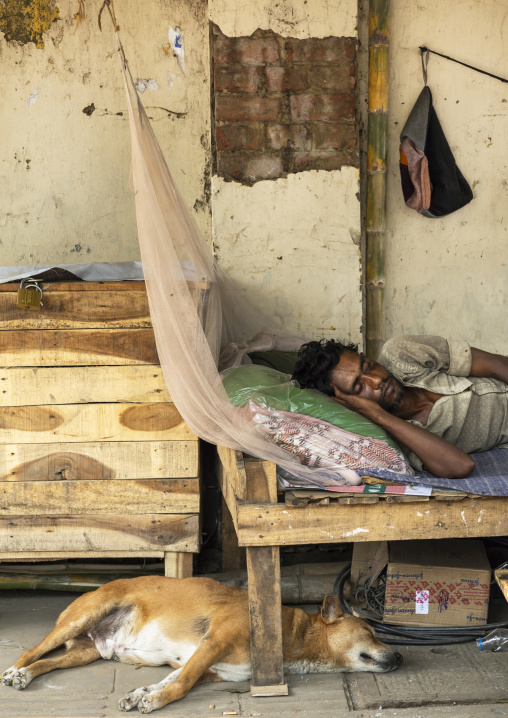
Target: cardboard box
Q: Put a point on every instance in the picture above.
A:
(430, 583)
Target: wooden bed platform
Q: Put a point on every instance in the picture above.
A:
(262, 524)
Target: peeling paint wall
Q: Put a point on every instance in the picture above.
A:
(65, 153)
(449, 276)
(293, 243)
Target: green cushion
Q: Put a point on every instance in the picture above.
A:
(276, 359)
(268, 387)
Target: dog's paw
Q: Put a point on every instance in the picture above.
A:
(148, 704)
(20, 679)
(132, 698)
(8, 675)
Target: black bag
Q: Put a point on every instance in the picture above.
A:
(432, 183)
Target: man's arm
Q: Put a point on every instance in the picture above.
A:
(438, 455)
(493, 366)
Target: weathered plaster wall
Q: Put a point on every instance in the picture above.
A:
(65, 172)
(293, 243)
(449, 276)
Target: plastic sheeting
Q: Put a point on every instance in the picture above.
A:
(200, 318)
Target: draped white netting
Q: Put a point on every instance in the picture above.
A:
(200, 318)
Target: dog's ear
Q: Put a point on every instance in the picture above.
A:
(331, 610)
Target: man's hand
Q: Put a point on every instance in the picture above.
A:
(366, 407)
(437, 455)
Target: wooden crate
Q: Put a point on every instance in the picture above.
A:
(95, 460)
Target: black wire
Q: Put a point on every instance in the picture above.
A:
(415, 635)
(471, 67)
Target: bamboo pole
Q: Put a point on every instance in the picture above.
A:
(376, 175)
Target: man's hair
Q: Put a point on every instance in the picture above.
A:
(316, 361)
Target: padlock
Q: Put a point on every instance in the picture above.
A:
(29, 295)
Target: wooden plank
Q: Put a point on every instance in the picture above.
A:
(152, 496)
(33, 386)
(177, 565)
(226, 486)
(81, 286)
(69, 309)
(92, 422)
(261, 481)
(101, 532)
(263, 569)
(234, 471)
(265, 524)
(82, 347)
(233, 557)
(99, 460)
(21, 556)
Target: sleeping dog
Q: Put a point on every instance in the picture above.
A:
(201, 628)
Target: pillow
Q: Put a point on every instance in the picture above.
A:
(275, 390)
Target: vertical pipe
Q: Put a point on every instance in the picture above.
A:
(376, 175)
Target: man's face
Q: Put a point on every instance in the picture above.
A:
(355, 374)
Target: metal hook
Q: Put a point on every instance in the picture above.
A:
(424, 54)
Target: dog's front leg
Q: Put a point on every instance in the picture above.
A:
(178, 683)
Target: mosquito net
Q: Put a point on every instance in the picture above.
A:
(202, 321)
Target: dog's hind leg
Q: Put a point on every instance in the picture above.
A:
(80, 652)
(77, 619)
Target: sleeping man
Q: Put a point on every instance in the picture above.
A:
(442, 399)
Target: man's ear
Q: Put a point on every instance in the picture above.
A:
(331, 610)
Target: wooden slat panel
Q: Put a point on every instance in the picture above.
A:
(152, 496)
(99, 460)
(33, 386)
(264, 524)
(82, 347)
(92, 422)
(99, 533)
(74, 310)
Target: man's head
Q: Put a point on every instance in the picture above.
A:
(331, 365)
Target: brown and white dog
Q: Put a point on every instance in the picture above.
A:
(199, 627)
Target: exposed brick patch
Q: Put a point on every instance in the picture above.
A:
(238, 137)
(231, 108)
(237, 78)
(260, 49)
(340, 50)
(283, 105)
(249, 168)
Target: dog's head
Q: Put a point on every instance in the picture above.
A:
(351, 642)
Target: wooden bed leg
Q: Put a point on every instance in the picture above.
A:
(233, 557)
(263, 567)
(177, 564)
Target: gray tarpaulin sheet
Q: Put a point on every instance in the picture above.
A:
(89, 272)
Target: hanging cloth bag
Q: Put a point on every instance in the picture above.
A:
(432, 183)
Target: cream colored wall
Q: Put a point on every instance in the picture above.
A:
(449, 276)
(293, 244)
(65, 175)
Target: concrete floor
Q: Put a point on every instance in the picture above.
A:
(442, 682)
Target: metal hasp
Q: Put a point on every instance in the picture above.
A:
(376, 175)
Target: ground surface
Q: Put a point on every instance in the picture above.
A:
(442, 682)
